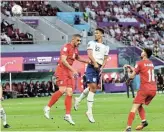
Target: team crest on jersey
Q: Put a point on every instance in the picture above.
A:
(94, 79)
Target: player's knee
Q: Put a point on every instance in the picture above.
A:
(62, 89)
(135, 107)
(92, 88)
(69, 91)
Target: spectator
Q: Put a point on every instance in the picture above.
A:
(112, 32)
(95, 4)
(76, 20)
(76, 5)
(160, 82)
(127, 73)
(107, 13)
(49, 88)
(44, 88)
(92, 14)
(105, 19)
(30, 89)
(156, 50)
(37, 89)
(5, 38)
(85, 15)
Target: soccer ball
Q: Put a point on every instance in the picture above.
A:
(17, 10)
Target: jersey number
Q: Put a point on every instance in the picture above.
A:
(151, 75)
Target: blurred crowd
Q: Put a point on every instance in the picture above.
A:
(31, 89)
(10, 35)
(30, 8)
(148, 14)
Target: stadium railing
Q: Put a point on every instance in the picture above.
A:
(30, 13)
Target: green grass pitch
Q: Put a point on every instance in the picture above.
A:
(110, 112)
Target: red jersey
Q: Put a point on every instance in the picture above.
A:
(71, 52)
(145, 69)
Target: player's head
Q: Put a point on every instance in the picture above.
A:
(146, 53)
(76, 39)
(99, 34)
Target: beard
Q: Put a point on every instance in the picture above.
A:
(141, 57)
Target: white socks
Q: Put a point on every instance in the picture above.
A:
(3, 116)
(90, 100)
(83, 95)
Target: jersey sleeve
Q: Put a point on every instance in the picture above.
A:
(107, 50)
(137, 67)
(90, 45)
(64, 50)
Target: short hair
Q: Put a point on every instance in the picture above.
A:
(148, 52)
(101, 30)
(77, 35)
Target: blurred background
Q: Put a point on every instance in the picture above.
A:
(32, 36)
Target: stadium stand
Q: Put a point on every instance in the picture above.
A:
(37, 85)
(30, 8)
(10, 35)
(138, 23)
(131, 23)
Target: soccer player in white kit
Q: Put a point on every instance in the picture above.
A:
(2, 111)
(98, 55)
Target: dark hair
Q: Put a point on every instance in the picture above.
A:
(148, 52)
(77, 35)
(101, 30)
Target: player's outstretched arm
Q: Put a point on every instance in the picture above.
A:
(82, 60)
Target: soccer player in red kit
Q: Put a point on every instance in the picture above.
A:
(147, 91)
(64, 74)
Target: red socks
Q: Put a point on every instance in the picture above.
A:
(68, 104)
(141, 112)
(131, 118)
(68, 101)
(54, 98)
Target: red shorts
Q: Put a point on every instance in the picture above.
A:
(144, 97)
(63, 77)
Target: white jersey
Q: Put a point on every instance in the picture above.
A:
(99, 51)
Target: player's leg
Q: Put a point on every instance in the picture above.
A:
(138, 101)
(68, 105)
(149, 96)
(53, 100)
(90, 101)
(62, 83)
(80, 98)
(3, 117)
(141, 113)
(131, 116)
